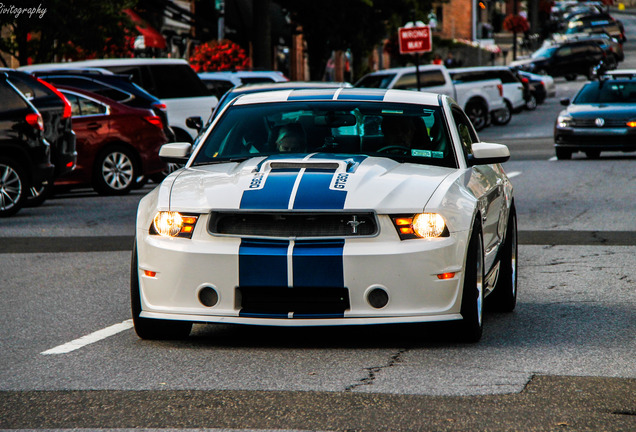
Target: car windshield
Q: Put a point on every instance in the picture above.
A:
(607, 92)
(544, 52)
(403, 132)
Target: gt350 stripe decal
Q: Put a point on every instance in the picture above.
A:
(274, 194)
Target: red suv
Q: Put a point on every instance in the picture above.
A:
(117, 145)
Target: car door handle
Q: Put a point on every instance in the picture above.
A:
(93, 126)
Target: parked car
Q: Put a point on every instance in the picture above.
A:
(568, 60)
(173, 81)
(116, 144)
(612, 47)
(220, 82)
(375, 216)
(513, 90)
(597, 23)
(58, 128)
(117, 87)
(481, 101)
(541, 86)
(25, 156)
(601, 117)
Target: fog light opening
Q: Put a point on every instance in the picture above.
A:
(377, 298)
(443, 276)
(208, 296)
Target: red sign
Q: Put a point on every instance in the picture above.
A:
(415, 39)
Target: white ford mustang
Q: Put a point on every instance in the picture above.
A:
(328, 207)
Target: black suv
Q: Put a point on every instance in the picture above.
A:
(568, 60)
(58, 128)
(25, 156)
(118, 87)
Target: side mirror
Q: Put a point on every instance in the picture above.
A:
(565, 101)
(489, 153)
(194, 123)
(178, 152)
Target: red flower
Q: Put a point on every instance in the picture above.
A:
(219, 55)
(516, 24)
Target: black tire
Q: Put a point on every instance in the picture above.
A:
(503, 116)
(471, 326)
(593, 154)
(563, 154)
(504, 296)
(115, 171)
(37, 195)
(477, 112)
(570, 77)
(531, 103)
(148, 328)
(13, 187)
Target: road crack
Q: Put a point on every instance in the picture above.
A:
(373, 371)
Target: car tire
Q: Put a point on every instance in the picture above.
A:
(593, 154)
(563, 154)
(13, 187)
(477, 112)
(570, 77)
(504, 296)
(115, 171)
(531, 103)
(470, 327)
(149, 328)
(37, 195)
(503, 116)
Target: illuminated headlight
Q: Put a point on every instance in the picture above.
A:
(564, 121)
(173, 224)
(421, 225)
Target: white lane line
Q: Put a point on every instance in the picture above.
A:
(513, 174)
(91, 338)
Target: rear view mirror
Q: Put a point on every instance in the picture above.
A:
(178, 152)
(489, 153)
(195, 123)
(334, 120)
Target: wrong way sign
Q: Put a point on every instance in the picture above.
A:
(415, 39)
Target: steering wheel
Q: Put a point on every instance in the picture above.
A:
(395, 149)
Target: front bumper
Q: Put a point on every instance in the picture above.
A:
(173, 274)
(608, 139)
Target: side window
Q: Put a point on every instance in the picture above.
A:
(466, 132)
(75, 106)
(11, 100)
(89, 107)
(564, 51)
(427, 79)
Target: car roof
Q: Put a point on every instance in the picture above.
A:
(406, 69)
(340, 94)
(104, 62)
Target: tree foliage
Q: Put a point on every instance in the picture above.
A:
(358, 25)
(64, 28)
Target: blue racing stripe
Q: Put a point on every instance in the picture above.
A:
(263, 263)
(297, 95)
(314, 193)
(275, 194)
(371, 95)
(318, 263)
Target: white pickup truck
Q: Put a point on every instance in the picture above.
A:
(482, 101)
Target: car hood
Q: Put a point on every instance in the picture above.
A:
(602, 110)
(319, 182)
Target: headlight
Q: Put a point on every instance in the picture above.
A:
(173, 224)
(564, 121)
(421, 225)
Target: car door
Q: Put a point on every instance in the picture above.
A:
(92, 127)
(488, 188)
(564, 62)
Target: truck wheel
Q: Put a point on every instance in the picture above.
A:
(477, 112)
(13, 187)
(503, 116)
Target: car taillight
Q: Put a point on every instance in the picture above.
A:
(67, 105)
(500, 88)
(154, 120)
(35, 120)
(525, 80)
(160, 106)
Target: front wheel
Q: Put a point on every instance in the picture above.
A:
(115, 172)
(13, 187)
(477, 112)
(472, 309)
(563, 154)
(148, 328)
(531, 103)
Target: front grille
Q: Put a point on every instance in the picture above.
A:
(283, 300)
(293, 224)
(591, 123)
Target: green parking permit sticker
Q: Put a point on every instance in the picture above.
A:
(438, 155)
(421, 153)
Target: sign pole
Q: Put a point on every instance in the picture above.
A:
(417, 71)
